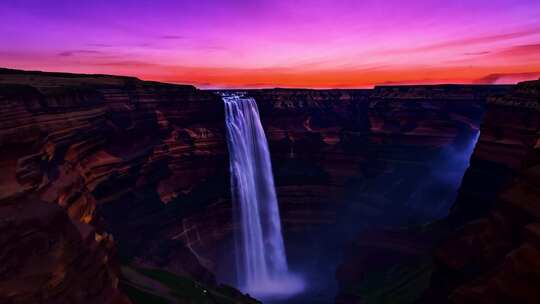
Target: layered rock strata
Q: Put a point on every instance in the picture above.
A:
(148, 163)
(494, 254)
(48, 258)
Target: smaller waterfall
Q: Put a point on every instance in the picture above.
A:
(261, 260)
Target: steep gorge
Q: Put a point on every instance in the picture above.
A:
(486, 250)
(147, 162)
(492, 254)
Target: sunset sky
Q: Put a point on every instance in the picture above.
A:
(271, 43)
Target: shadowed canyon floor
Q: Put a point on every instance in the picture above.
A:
(129, 180)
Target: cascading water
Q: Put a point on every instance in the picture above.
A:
(261, 260)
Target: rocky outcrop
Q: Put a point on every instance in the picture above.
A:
(487, 252)
(341, 154)
(401, 168)
(48, 258)
(493, 256)
(124, 156)
(325, 145)
(85, 141)
(147, 162)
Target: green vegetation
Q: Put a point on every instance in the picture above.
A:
(175, 289)
(140, 296)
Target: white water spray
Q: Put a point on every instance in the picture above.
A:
(261, 260)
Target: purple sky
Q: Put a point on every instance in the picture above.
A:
(250, 43)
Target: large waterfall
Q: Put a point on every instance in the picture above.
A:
(261, 260)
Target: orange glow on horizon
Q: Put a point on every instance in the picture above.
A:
(278, 43)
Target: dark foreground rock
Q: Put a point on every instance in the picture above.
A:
(48, 258)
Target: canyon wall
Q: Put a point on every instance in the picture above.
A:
(147, 163)
(123, 156)
(486, 250)
(48, 258)
(494, 254)
(327, 144)
(354, 160)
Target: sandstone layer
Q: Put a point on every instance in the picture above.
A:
(147, 163)
(48, 258)
(494, 254)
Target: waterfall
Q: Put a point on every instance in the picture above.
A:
(261, 259)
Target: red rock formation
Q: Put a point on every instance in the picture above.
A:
(86, 141)
(147, 161)
(414, 131)
(326, 144)
(48, 258)
(494, 255)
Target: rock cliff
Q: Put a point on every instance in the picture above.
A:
(116, 153)
(494, 254)
(486, 249)
(48, 258)
(147, 162)
(326, 143)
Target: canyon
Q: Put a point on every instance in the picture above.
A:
(116, 173)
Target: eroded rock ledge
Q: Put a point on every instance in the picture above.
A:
(49, 258)
(494, 254)
(486, 250)
(147, 161)
(117, 154)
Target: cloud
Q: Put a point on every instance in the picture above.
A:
(420, 81)
(100, 45)
(508, 78)
(476, 53)
(482, 39)
(131, 63)
(521, 50)
(466, 41)
(78, 52)
(172, 37)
